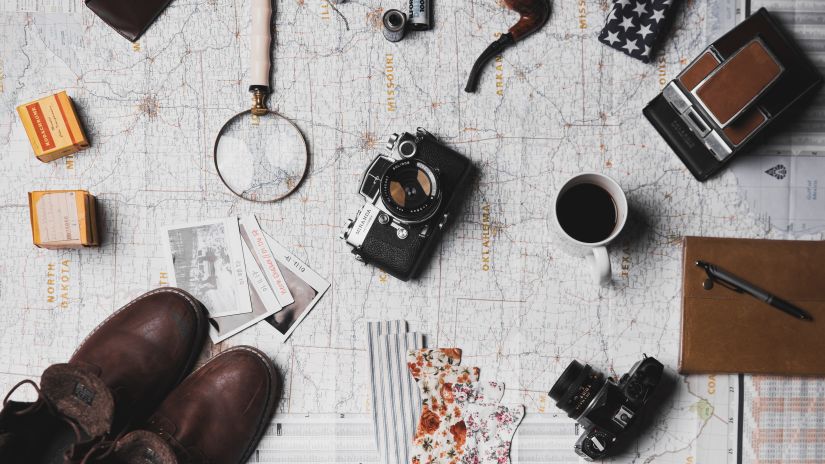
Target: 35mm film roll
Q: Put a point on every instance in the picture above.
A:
(395, 25)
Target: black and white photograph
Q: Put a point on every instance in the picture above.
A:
(205, 260)
(264, 304)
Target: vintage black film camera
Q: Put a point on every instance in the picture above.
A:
(604, 408)
(411, 195)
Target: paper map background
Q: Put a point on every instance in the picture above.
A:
(557, 104)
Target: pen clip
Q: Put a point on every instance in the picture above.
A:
(726, 285)
(711, 280)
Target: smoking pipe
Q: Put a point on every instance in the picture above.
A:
(534, 14)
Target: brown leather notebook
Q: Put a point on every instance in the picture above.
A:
(728, 332)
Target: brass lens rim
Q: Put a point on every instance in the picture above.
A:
(305, 164)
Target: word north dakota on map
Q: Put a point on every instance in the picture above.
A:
(58, 283)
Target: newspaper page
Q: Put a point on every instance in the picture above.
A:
(784, 420)
(783, 180)
(318, 439)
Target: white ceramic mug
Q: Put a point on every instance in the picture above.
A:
(594, 253)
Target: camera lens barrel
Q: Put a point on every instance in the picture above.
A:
(410, 190)
(576, 388)
(566, 380)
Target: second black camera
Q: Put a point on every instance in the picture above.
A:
(606, 409)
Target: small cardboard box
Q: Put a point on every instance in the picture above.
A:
(63, 219)
(53, 127)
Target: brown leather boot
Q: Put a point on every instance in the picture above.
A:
(216, 416)
(117, 376)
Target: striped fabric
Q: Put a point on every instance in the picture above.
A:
(395, 397)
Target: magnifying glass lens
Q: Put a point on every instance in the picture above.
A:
(261, 158)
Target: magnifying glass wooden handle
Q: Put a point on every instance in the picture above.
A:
(261, 42)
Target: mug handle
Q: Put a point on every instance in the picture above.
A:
(600, 268)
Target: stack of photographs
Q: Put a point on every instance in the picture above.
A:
(242, 276)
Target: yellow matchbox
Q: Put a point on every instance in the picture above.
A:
(63, 219)
(53, 127)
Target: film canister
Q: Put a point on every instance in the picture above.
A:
(421, 15)
(395, 25)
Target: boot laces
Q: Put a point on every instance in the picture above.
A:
(42, 400)
(99, 450)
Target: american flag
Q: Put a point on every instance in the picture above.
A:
(635, 27)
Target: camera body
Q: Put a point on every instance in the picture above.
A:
(411, 194)
(604, 408)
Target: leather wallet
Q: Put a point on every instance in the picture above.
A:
(728, 332)
(128, 17)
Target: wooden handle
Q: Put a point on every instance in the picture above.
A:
(261, 41)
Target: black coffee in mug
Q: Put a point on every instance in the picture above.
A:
(587, 213)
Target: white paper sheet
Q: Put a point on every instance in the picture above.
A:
(783, 180)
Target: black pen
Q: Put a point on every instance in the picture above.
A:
(739, 285)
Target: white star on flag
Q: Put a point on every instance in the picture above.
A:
(612, 37)
(634, 27)
(645, 31)
(627, 23)
(630, 46)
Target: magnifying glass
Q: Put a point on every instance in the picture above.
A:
(259, 154)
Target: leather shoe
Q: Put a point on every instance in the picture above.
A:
(216, 416)
(144, 350)
(117, 376)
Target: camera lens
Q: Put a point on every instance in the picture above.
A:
(576, 388)
(409, 189)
